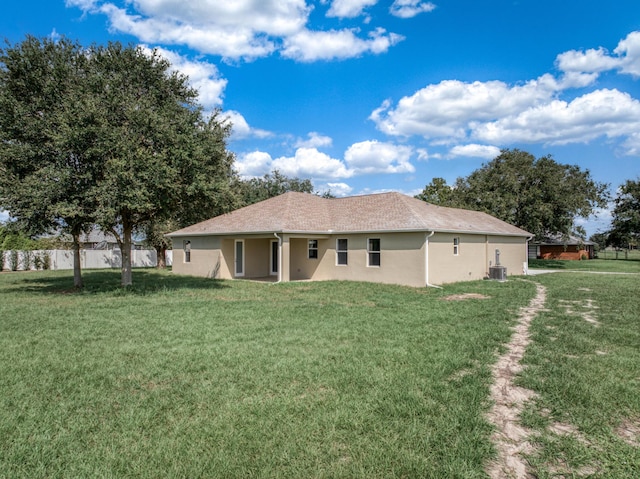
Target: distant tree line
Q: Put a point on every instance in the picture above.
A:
(538, 195)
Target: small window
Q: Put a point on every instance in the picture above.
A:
(187, 251)
(373, 250)
(456, 246)
(313, 249)
(341, 251)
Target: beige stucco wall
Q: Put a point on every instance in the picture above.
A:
(474, 254)
(402, 258)
(206, 258)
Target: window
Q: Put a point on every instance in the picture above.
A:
(373, 250)
(456, 246)
(186, 245)
(341, 251)
(313, 249)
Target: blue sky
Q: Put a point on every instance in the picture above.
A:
(370, 95)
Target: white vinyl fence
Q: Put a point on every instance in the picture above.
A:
(89, 259)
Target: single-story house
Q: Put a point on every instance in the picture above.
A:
(385, 238)
(561, 247)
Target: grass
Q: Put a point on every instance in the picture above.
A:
(592, 265)
(187, 377)
(587, 377)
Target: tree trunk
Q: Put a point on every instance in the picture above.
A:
(77, 267)
(161, 252)
(127, 277)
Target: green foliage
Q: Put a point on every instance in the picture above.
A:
(271, 185)
(106, 135)
(1, 260)
(540, 195)
(626, 216)
(439, 193)
(13, 260)
(27, 260)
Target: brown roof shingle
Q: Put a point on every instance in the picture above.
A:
(305, 213)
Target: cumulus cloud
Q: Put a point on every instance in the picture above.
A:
(309, 46)
(625, 58)
(256, 163)
(372, 156)
(447, 109)
(336, 189)
(243, 29)
(608, 113)
(203, 76)
(410, 8)
(349, 8)
(314, 140)
(311, 163)
(474, 151)
(240, 129)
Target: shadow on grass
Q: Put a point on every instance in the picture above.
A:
(108, 281)
(549, 264)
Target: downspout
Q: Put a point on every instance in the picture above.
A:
(426, 260)
(279, 257)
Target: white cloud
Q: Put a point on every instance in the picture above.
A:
(608, 113)
(410, 8)
(309, 46)
(448, 108)
(336, 189)
(256, 163)
(242, 29)
(349, 8)
(203, 76)
(474, 151)
(625, 58)
(314, 140)
(240, 128)
(369, 157)
(311, 163)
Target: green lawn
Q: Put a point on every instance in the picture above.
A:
(187, 377)
(587, 376)
(597, 265)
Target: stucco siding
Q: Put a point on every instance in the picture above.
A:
(513, 253)
(445, 266)
(401, 259)
(205, 256)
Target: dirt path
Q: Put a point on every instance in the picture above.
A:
(511, 439)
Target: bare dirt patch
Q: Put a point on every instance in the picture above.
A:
(586, 309)
(564, 429)
(510, 438)
(465, 296)
(629, 432)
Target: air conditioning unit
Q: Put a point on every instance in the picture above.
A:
(498, 273)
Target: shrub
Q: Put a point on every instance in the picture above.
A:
(46, 260)
(1, 260)
(583, 257)
(13, 260)
(27, 258)
(37, 261)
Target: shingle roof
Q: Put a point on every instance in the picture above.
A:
(305, 213)
(559, 239)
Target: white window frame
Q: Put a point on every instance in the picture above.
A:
(374, 252)
(456, 246)
(311, 248)
(235, 259)
(345, 251)
(186, 248)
